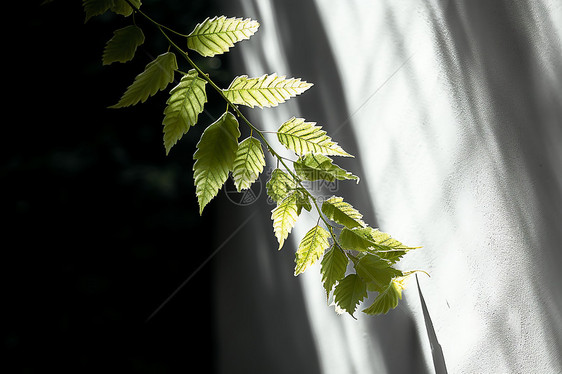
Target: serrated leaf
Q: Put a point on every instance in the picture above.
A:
(304, 200)
(373, 240)
(357, 239)
(94, 8)
(248, 164)
(123, 45)
(265, 91)
(123, 8)
(214, 157)
(304, 137)
(333, 267)
(184, 105)
(155, 77)
(387, 247)
(312, 167)
(284, 217)
(280, 185)
(376, 270)
(388, 298)
(311, 247)
(349, 292)
(218, 34)
(341, 212)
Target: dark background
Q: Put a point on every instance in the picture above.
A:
(100, 226)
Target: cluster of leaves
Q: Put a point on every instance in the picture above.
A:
(355, 258)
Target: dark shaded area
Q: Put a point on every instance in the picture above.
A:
(100, 226)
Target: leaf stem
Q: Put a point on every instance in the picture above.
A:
(235, 108)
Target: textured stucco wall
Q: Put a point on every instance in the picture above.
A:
(455, 112)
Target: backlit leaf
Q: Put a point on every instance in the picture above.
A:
(388, 298)
(184, 105)
(248, 164)
(387, 247)
(341, 212)
(304, 137)
(155, 77)
(357, 239)
(312, 167)
(284, 217)
(333, 266)
(123, 45)
(121, 7)
(265, 91)
(376, 270)
(217, 35)
(280, 185)
(97, 7)
(373, 240)
(349, 292)
(214, 157)
(311, 247)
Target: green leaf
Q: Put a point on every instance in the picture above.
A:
(96, 7)
(123, 45)
(303, 201)
(312, 167)
(304, 137)
(265, 91)
(248, 164)
(121, 7)
(388, 298)
(333, 267)
(217, 35)
(184, 105)
(284, 217)
(388, 247)
(341, 212)
(214, 157)
(155, 77)
(311, 247)
(373, 240)
(280, 185)
(357, 239)
(376, 270)
(349, 292)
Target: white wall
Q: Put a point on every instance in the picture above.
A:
(454, 110)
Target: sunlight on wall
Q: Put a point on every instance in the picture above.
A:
(437, 97)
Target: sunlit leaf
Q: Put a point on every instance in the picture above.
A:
(349, 292)
(155, 77)
(387, 247)
(312, 167)
(280, 185)
(217, 35)
(304, 137)
(284, 217)
(373, 240)
(388, 298)
(341, 212)
(265, 91)
(248, 164)
(184, 105)
(376, 270)
(333, 266)
(311, 248)
(214, 157)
